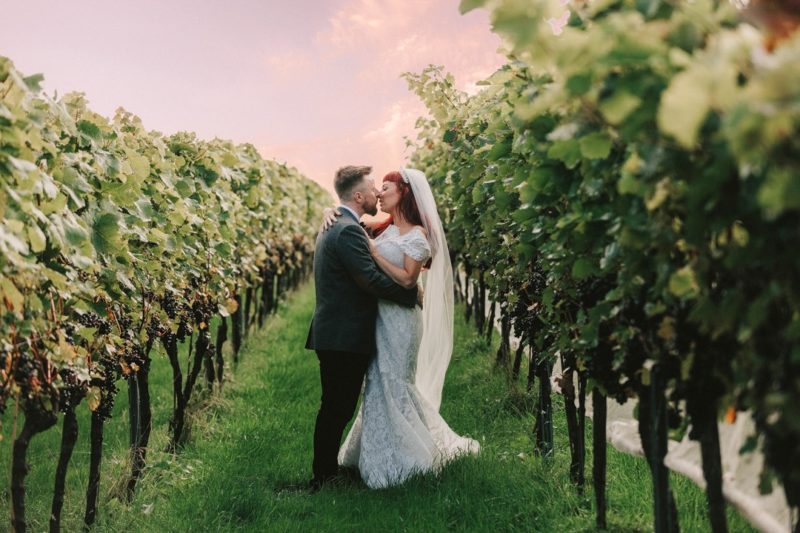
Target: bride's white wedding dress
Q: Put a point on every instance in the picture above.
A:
(398, 432)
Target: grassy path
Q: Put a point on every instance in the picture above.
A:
(252, 444)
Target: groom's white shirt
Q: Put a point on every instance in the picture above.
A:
(355, 215)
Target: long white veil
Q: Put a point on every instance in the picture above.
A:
(436, 346)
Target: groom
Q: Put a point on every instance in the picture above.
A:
(348, 285)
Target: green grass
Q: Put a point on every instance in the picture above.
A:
(250, 448)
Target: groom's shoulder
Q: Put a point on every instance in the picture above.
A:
(343, 226)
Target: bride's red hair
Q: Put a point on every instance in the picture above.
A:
(407, 206)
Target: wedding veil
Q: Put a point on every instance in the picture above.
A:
(437, 312)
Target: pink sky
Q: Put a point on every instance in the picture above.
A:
(313, 83)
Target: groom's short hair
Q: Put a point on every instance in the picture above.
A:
(347, 178)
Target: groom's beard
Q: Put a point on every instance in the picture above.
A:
(371, 209)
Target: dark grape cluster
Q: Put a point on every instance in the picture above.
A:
(124, 322)
(26, 374)
(154, 328)
(179, 311)
(183, 330)
(71, 391)
(530, 291)
(170, 305)
(133, 355)
(69, 332)
(90, 319)
(108, 370)
(203, 310)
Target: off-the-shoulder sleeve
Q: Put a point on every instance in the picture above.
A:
(415, 245)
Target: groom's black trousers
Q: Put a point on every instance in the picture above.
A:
(341, 375)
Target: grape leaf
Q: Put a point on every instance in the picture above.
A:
(468, 5)
(595, 145)
(684, 106)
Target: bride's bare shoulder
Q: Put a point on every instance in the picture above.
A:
(422, 230)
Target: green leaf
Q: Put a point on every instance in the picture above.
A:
(660, 194)
(547, 296)
(595, 145)
(780, 191)
(184, 187)
(89, 129)
(34, 82)
(648, 7)
(683, 283)
(145, 210)
(74, 232)
(739, 234)
(628, 184)
(523, 214)
(450, 136)
(105, 233)
(140, 165)
(568, 151)
(616, 108)
(223, 249)
(518, 21)
(58, 279)
(579, 84)
(499, 150)
(477, 196)
(37, 238)
(10, 296)
(252, 198)
(502, 200)
(583, 268)
(157, 236)
(468, 5)
(684, 105)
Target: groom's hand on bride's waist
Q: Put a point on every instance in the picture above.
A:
(420, 295)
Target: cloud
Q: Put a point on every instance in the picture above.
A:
(375, 41)
(386, 138)
(399, 116)
(468, 51)
(363, 22)
(289, 65)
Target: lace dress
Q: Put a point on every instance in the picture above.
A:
(397, 433)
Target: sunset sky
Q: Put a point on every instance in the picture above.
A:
(313, 83)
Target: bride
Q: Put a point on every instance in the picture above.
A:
(398, 431)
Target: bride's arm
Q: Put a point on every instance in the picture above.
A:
(329, 216)
(405, 276)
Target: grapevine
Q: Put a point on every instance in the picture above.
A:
(632, 183)
(114, 241)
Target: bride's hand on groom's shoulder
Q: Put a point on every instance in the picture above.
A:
(329, 217)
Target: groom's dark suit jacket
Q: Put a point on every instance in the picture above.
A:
(348, 284)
